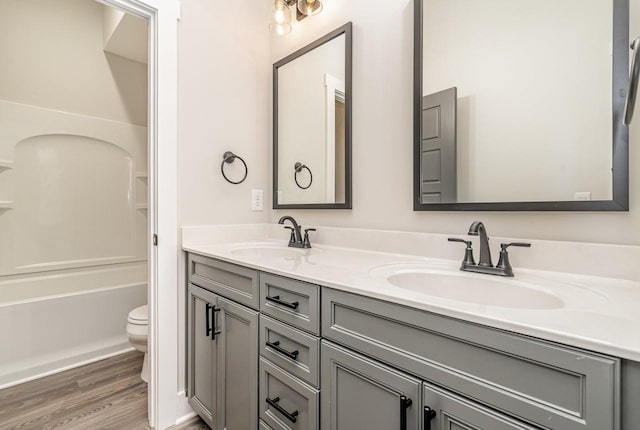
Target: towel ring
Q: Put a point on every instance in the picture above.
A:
(230, 157)
(298, 167)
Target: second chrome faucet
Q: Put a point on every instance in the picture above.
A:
(485, 264)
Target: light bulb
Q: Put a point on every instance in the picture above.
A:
(281, 18)
(309, 7)
(280, 29)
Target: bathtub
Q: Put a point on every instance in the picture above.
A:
(55, 321)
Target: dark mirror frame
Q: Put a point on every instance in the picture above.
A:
(347, 31)
(620, 140)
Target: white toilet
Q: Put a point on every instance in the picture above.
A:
(138, 331)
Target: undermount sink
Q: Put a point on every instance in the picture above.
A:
(487, 292)
(477, 289)
(270, 251)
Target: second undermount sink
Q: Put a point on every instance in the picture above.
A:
(270, 251)
(484, 290)
(479, 291)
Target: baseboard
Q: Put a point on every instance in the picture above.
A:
(27, 375)
(184, 411)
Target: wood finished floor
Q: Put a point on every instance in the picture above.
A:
(106, 395)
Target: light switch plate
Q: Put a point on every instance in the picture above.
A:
(257, 200)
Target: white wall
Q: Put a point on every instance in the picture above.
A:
(67, 70)
(534, 95)
(383, 141)
(224, 105)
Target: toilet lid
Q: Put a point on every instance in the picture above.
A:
(139, 315)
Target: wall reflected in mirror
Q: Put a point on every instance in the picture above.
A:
(312, 125)
(517, 101)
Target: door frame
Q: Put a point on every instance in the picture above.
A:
(162, 16)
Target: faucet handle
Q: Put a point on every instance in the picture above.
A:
(504, 264)
(455, 239)
(468, 252)
(504, 246)
(306, 243)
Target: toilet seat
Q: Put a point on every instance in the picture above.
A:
(138, 332)
(139, 316)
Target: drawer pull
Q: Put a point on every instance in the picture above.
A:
(276, 346)
(429, 415)
(291, 416)
(276, 299)
(405, 402)
(214, 330)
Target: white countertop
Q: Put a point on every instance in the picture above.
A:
(599, 314)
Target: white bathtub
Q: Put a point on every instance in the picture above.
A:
(78, 316)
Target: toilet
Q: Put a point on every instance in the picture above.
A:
(138, 331)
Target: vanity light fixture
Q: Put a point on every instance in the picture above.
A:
(281, 15)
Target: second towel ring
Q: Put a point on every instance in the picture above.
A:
(230, 157)
(298, 167)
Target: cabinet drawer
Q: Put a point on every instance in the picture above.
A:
(286, 403)
(539, 382)
(234, 282)
(453, 412)
(291, 349)
(291, 301)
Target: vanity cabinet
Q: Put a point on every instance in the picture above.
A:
(222, 357)
(201, 355)
(445, 410)
(270, 352)
(359, 393)
(539, 382)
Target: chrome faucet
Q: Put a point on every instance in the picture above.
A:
(296, 240)
(485, 265)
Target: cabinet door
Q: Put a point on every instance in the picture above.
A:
(445, 410)
(237, 371)
(359, 393)
(201, 352)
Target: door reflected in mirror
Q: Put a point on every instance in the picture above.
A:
(312, 142)
(516, 104)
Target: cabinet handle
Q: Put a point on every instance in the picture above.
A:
(291, 416)
(207, 315)
(429, 415)
(405, 402)
(276, 346)
(214, 330)
(276, 299)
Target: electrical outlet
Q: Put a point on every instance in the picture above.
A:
(257, 200)
(586, 195)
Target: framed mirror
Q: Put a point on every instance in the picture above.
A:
(312, 103)
(518, 106)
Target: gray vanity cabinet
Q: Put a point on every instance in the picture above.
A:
(445, 410)
(222, 354)
(270, 352)
(359, 393)
(237, 365)
(201, 354)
